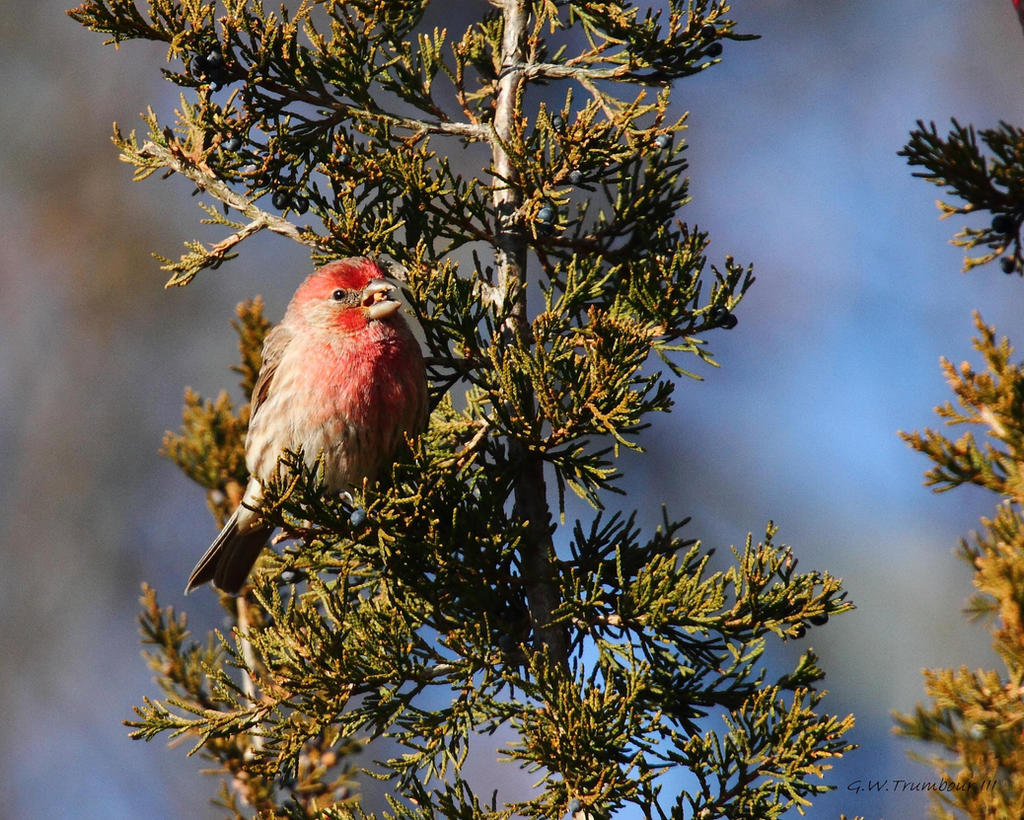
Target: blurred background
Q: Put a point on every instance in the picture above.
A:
(794, 168)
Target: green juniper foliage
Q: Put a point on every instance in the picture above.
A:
(455, 602)
(986, 181)
(975, 718)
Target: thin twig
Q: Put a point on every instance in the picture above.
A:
(249, 656)
(173, 157)
(563, 71)
(459, 129)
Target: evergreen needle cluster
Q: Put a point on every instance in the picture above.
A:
(986, 180)
(560, 295)
(974, 718)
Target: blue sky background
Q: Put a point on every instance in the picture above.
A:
(794, 168)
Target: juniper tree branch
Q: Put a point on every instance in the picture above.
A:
(566, 71)
(586, 76)
(509, 239)
(583, 75)
(172, 156)
(537, 553)
(467, 130)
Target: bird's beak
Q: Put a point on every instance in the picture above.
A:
(377, 301)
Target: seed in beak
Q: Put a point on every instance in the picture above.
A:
(377, 300)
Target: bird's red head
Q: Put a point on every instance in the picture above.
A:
(345, 295)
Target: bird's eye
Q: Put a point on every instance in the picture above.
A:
(338, 295)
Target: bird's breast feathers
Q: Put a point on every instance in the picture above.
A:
(352, 398)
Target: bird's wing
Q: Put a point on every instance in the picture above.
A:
(273, 351)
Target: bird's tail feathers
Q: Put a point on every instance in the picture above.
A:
(230, 557)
